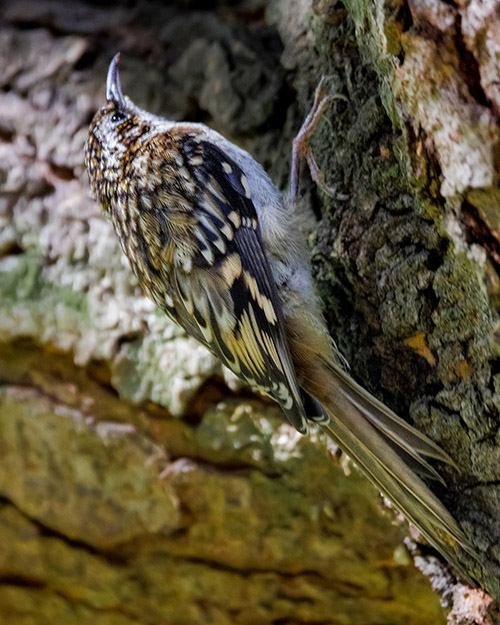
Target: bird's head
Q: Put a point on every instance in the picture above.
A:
(115, 136)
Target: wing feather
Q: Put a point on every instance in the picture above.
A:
(226, 296)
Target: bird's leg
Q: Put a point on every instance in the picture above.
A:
(301, 150)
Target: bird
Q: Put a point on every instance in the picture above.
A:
(223, 253)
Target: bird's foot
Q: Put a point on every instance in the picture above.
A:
(301, 150)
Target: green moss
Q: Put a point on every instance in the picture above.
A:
(392, 32)
(22, 278)
(76, 300)
(372, 29)
(487, 203)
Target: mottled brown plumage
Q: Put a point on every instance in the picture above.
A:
(222, 252)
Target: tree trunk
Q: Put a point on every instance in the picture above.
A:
(139, 481)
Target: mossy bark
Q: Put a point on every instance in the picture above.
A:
(139, 481)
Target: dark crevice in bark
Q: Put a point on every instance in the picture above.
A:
(22, 581)
(115, 558)
(469, 67)
(479, 232)
(63, 172)
(11, 248)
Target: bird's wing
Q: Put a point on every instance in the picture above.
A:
(225, 293)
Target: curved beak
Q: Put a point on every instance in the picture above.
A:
(113, 87)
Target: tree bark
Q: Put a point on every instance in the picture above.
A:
(140, 482)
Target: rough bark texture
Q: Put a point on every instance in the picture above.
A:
(139, 482)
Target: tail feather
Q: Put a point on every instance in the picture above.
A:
(389, 451)
(420, 465)
(385, 420)
(408, 493)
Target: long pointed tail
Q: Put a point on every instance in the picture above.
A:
(390, 452)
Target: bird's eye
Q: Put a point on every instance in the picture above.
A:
(117, 117)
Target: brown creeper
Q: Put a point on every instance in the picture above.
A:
(221, 251)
